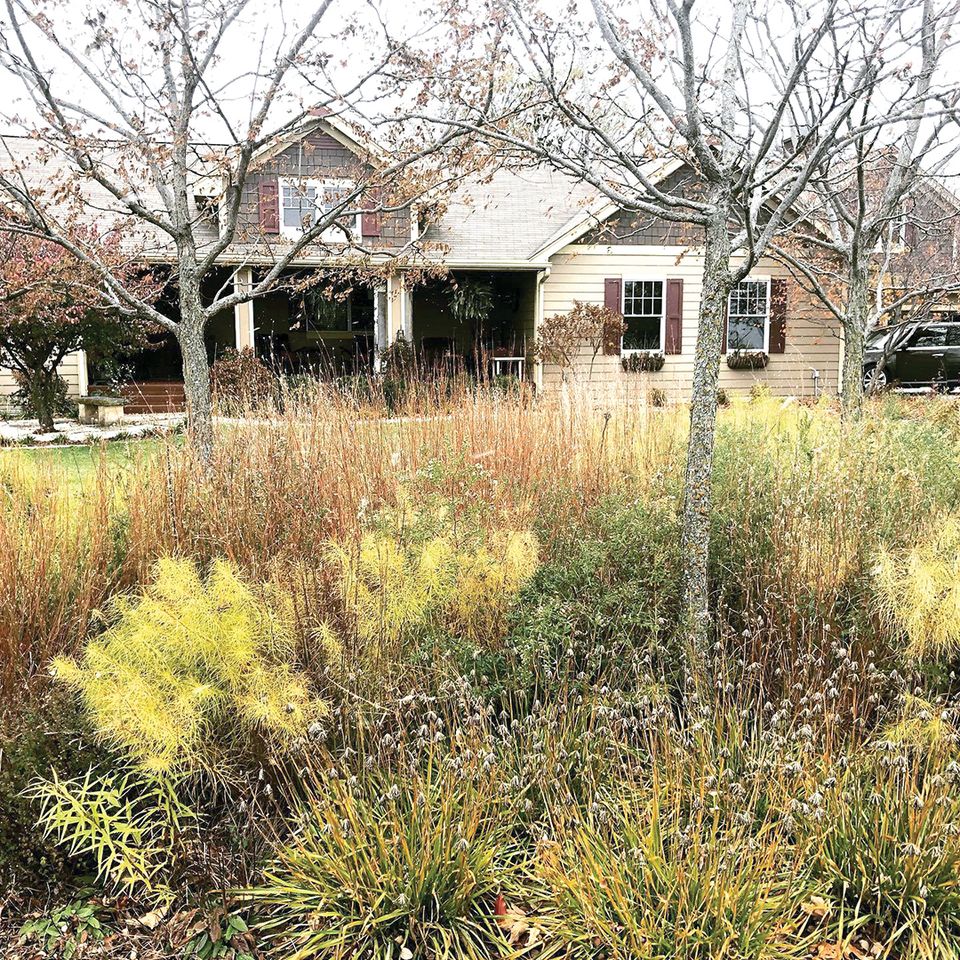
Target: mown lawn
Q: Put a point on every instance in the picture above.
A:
(78, 464)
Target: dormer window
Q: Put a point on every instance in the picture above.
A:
(208, 210)
(304, 202)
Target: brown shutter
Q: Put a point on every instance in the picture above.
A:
(674, 332)
(370, 224)
(371, 221)
(778, 315)
(269, 206)
(613, 301)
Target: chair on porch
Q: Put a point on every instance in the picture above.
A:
(506, 362)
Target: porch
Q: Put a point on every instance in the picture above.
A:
(479, 323)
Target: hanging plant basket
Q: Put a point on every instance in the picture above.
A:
(646, 362)
(747, 360)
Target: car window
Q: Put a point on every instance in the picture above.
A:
(876, 339)
(935, 336)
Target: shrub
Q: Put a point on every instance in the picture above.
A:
(41, 738)
(589, 325)
(606, 598)
(401, 590)
(241, 380)
(42, 397)
(131, 825)
(193, 673)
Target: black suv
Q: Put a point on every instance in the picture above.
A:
(917, 356)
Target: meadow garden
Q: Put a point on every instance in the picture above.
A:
(416, 686)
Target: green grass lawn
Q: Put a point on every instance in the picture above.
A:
(80, 462)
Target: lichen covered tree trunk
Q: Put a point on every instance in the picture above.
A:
(196, 370)
(854, 331)
(703, 417)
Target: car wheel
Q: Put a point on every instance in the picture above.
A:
(874, 380)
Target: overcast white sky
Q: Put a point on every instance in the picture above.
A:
(265, 27)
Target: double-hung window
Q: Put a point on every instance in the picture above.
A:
(748, 316)
(643, 314)
(304, 202)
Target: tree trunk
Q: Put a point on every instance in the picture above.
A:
(703, 416)
(45, 399)
(44, 391)
(196, 373)
(854, 328)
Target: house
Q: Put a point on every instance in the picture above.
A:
(516, 247)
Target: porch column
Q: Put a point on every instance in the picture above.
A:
(243, 312)
(381, 340)
(398, 310)
(537, 320)
(83, 374)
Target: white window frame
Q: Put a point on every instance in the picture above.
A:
(333, 232)
(629, 351)
(766, 322)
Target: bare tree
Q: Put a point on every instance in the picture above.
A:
(133, 105)
(879, 232)
(614, 95)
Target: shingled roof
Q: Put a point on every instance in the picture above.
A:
(508, 217)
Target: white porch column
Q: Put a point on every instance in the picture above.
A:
(83, 374)
(243, 312)
(398, 309)
(381, 340)
(542, 276)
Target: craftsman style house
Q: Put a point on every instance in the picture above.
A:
(515, 248)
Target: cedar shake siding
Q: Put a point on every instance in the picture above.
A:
(808, 338)
(317, 156)
(642, 229)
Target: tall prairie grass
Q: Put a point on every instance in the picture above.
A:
(801, 505)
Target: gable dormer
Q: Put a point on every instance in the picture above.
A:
(309, 170)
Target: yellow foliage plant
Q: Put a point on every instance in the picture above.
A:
(919, 592)
(193, 670)
(393, 589)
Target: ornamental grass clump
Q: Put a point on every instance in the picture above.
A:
(390, 864)
(918, 590)
(195, 672)
(888, 847)
(61, 555)
(640, 885)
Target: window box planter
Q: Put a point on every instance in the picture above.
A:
(645, 362)
(747, 360)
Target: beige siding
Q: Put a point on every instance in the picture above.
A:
(578, 272)
(69, 370)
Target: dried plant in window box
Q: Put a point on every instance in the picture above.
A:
(646, 361)
(747, 360)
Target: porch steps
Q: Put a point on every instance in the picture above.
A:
(149, 396)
